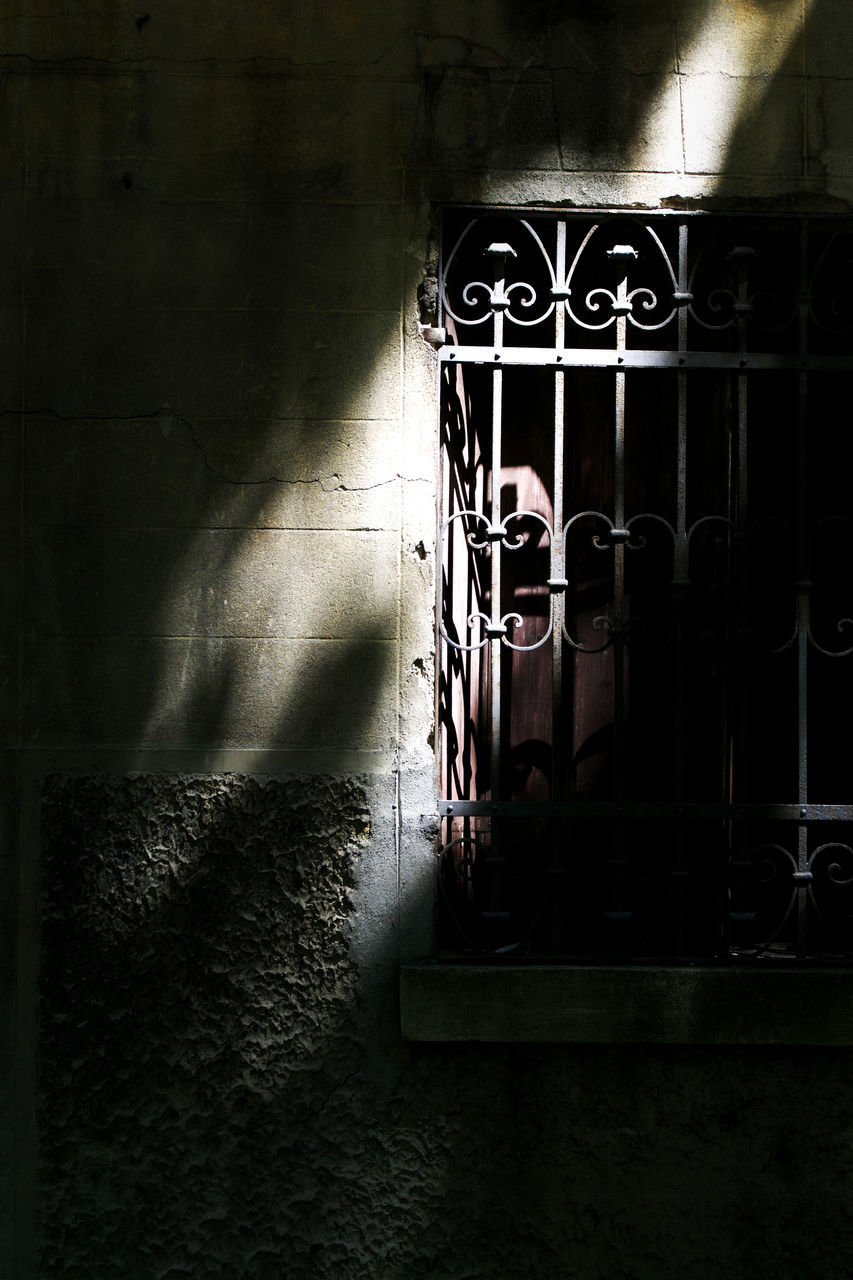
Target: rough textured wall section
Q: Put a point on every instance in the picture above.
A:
(214, 1102)
(195, 972)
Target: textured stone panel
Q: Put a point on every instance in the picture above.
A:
(212, 473)
(829, 39)
(830, 110)
(334, 38)
(251, 583)
(12, 328)
(613, 121)
(213, 253)
(739, 37)
(8, 978)
(588, 189)
(10, 570)
(483, 120)
(155, 692)
(13, 221)
(142, 252)
(208, 1110)
(214, 363)
(743, 125)
(195, 981)
(10, 583)
(337, 256)
(10, 471)
(602, 37)
(233, 136)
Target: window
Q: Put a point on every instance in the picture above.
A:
(646, 588)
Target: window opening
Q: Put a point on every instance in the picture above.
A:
(645, 614)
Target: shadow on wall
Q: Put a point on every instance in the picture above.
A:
(182, 602)
(208, 1108)
(180, 608)
(650, 1163)
(218, 573)
(198, 986)
(690, 87)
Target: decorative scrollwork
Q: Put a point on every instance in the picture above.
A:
(654, 296)
(521, 541)
(802, 624)
(499, 298)
(833, 871)
(492, 533)
(830, 296)
(767, 868)
(688, 752)
(704, 521)
(832, 530)
(601, 623)
(620, 537)
(759, 281)
(843, 624)
(474, 302)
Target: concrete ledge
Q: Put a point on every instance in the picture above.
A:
(652, 1005)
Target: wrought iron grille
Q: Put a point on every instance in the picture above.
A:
(645, 613)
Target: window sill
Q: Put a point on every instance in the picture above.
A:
(626, 1005)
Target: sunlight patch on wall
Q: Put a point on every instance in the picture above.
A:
(736, 62)
(277, 625)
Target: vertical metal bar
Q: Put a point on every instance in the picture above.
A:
(803, 603)
(557, 563)
(560, 276)
(803, 586)
(681, 566)
(619, 568)
(619, 852)
(495, 647)
(739, 511)
(679, 588)
(619, 469)
(557, 577)
(498, 254)
(558, 573)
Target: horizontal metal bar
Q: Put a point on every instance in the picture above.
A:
(657, 811)
(606, 358)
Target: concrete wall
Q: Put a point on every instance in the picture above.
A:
(217, 492)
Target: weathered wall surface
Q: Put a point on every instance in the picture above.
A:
(211, 1104)
(211, 1107)
(217, 489)
(199, 987)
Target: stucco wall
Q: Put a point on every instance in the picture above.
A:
(217, 493)
(216, 1100)
(209, 1107)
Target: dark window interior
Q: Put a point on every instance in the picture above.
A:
(646, 644)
